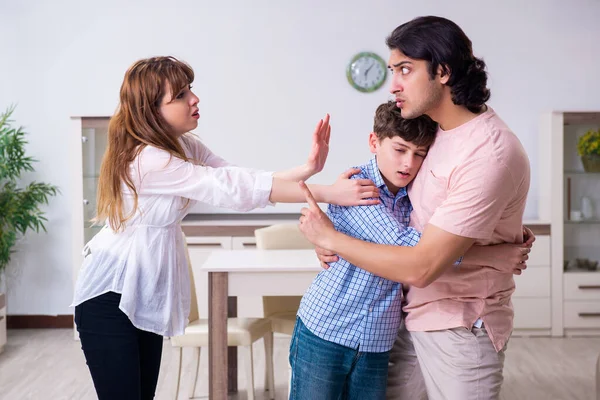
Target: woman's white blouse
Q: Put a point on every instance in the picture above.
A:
(146, 262)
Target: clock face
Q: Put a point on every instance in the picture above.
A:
(366, 72)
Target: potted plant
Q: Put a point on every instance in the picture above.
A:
(19, 205)
(588, 148)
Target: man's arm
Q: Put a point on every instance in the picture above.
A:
(477, 196)
(505, 257)
(418, 266)
(375, 224)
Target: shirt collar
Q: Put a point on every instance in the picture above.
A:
(374, 174)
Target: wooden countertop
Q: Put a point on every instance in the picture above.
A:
(221, 230)
(244, 225)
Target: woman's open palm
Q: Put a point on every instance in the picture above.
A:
(320, 146)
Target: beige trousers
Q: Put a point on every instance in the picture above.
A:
(452, 364)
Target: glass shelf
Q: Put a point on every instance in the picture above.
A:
(583, 173)
(584, 222)
(581, 271)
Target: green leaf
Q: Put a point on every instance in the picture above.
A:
(19, 206)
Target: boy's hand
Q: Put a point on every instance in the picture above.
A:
(325, 256)
(314, 224)
(353, 192)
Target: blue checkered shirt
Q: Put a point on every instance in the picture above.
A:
(348, 305)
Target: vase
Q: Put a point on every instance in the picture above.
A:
(591, 162)
(587, 208)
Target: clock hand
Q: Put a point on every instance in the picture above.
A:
(367, 70)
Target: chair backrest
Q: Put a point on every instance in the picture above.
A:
(194, 314)
(281, 237)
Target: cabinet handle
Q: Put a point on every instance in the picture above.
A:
(589, 287)
(205, 244)
(589, 314)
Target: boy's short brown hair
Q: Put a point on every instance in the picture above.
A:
(389, 123)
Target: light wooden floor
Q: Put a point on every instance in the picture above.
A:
(49, 364)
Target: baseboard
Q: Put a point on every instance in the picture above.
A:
(39, 321)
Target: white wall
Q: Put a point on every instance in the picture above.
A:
(266, 72)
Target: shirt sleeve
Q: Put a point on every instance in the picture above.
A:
(240, 189)
(210, 159)
(478, 193)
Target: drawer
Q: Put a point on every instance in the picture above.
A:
(581, 314)
(532, 313)
(240, 243)
(581, 286)
(540, 252)
(533, 282)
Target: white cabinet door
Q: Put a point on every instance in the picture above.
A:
(532, 297)
(532, 313)
(533, 283)
(200, 248)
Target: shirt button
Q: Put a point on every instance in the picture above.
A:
(371, 309)
(380, 282)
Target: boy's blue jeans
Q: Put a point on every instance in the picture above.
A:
(328, 371)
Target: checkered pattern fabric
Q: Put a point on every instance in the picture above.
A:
(350, 306)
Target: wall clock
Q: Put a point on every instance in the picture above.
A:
(366, 72)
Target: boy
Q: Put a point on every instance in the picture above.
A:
(349, 318)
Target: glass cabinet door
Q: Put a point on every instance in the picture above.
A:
(581, 203)
(94, 137)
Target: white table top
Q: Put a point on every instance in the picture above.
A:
(261, 261)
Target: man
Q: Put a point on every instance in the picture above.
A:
(471, 189)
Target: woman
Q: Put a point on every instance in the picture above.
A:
(133, 287)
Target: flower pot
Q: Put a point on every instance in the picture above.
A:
(591, 162)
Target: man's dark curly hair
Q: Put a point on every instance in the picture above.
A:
(441, 42)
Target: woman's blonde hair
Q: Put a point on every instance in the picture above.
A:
(137, 124)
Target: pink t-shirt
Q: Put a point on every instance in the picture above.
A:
(473, 183)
